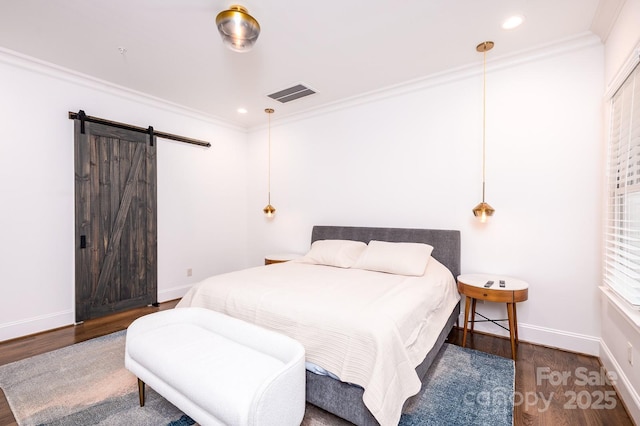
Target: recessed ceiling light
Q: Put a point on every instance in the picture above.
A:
(512, 22)
(242, 110)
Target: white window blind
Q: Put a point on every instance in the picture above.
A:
(622, 230)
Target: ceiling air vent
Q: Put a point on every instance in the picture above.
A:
(292, 93)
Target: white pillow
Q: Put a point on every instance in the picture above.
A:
(395, 258)
(340, 253)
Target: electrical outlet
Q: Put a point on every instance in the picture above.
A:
(630, 353)
(189, 272)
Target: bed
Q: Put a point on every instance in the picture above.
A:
(367, 328)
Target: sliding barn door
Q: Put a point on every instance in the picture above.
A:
(115, 213)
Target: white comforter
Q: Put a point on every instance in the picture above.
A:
(368, 328)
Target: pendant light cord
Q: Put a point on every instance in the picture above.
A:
(484, 117)
(269, 165)
(269, 210)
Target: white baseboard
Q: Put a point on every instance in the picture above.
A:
(623, 385)
(27, 326)
(545, 336)
(560, 339)
(173, 293)
(37, 324)
(526, 332)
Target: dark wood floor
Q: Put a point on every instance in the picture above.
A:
(542, 396)
(549, 384)
(24, 347)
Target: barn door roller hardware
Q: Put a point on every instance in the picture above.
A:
(80, 115)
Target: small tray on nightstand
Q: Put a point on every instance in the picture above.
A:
(280, 257)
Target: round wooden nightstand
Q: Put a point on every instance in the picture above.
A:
(281, 257)
(473, 287)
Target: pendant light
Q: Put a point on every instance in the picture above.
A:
(238, 29)
(269, 210)
(484, 210)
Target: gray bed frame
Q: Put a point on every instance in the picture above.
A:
(345, 400)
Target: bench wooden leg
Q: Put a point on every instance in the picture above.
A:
(141, 389)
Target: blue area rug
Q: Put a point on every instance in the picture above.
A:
(464, 387)
(183, 421)
(87, 384)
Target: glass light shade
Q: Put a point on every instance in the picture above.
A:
(270, 211)
(482, 211)
(238, 29)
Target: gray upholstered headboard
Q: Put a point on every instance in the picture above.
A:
(446, 243)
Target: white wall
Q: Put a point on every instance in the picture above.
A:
(407, 157)
(412, 158)
(621, 326)
(201, 192)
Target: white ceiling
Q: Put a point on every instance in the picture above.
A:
(341, 49)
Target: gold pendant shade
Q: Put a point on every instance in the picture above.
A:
(269, 210)
(482, 211)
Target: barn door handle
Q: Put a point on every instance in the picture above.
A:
(83, 241)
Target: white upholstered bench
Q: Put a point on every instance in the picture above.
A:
(217, 369)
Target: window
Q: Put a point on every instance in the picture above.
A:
(622, 230)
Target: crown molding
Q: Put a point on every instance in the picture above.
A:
(629, 65)
(48, 69)
(570, 44)
(578, 42)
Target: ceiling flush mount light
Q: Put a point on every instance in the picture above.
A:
(269, 210)
(512, 22)
(238, 29)
(484, 210)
